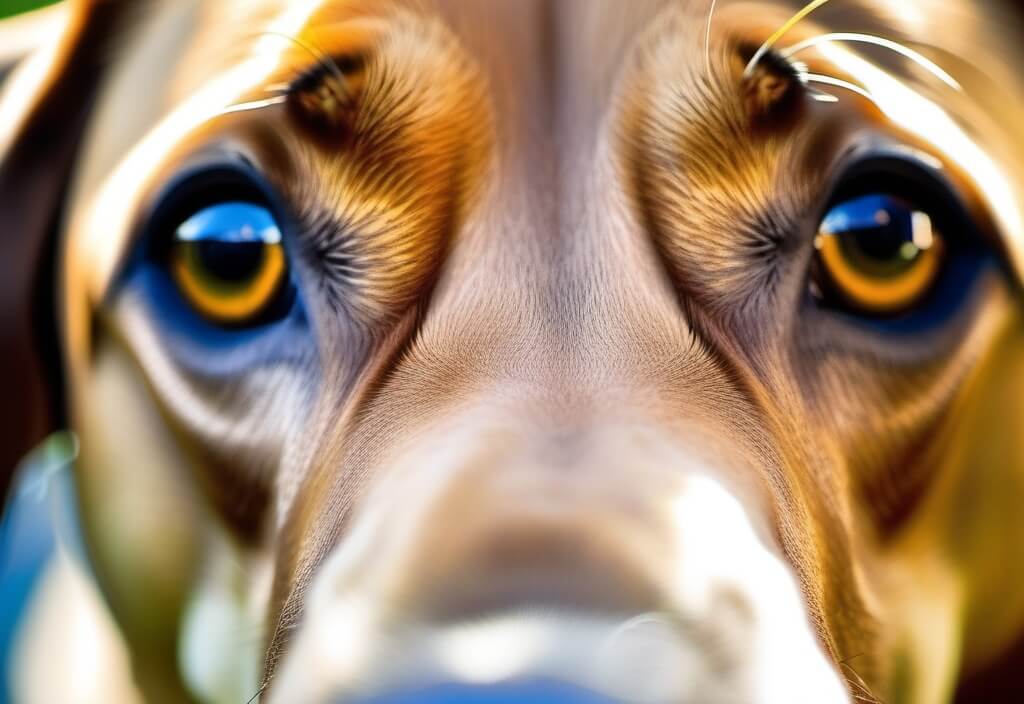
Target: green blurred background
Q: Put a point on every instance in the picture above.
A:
(12, 7)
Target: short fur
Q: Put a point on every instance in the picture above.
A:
(535, 222)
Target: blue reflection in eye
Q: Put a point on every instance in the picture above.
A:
(213, 273)
(880, 235)
(878, 255)
(231, 222)
(868, 212)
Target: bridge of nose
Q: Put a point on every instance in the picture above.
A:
(553, 315)
(551, 275)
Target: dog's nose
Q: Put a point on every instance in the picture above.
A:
(534, 692)
(664, 587)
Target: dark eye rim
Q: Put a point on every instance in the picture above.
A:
(203, 186)
(195, 189)
(911, 180)
(927, 187)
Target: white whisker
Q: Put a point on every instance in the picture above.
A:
(707, 37)
(253, 105)
(779, 33)
(322, 59)
(823, 97)
(905, 51)
(837, 82)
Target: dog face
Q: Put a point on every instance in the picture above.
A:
(461, 342)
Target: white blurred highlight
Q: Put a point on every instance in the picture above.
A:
(721, 579)
(720, 553)
(69, 649)
(485, 653)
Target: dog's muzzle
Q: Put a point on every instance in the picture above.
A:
(642, 579)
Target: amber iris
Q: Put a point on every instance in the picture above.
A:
(879, 254)
(228, 261)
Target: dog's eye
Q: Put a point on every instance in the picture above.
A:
(228, 262)
(878, 254)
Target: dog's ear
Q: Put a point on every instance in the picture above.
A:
(22, 34)
(51, 63)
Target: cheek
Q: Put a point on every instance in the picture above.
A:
(130, 474)
(177, 584)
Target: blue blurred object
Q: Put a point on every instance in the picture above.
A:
(534, 692)
(40, 518)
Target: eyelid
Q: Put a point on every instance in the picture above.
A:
(204, 168)
(913, 170)
(877, 153)
(958, 191)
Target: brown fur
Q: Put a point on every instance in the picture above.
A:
(546, 222)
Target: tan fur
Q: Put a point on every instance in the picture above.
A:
(532, 229)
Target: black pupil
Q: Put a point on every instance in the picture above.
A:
(883, 242)
(876, 233)
(230, 262)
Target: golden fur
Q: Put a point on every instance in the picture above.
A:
(543, 222)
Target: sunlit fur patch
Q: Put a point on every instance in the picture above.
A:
(392, 130)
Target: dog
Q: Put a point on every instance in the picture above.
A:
(547, 350)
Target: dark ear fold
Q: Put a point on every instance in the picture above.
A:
(44, 102)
